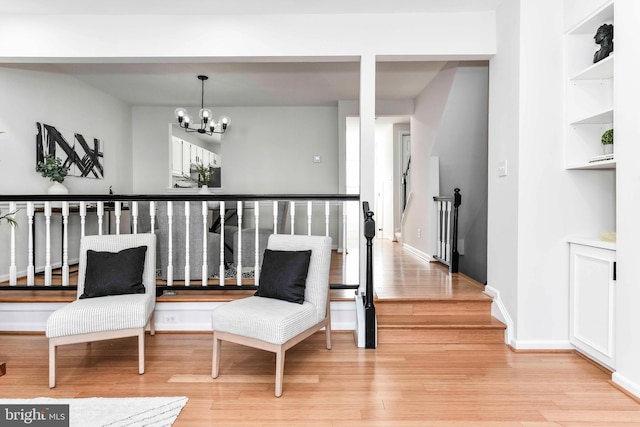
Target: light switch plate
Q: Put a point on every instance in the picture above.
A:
(502, 168)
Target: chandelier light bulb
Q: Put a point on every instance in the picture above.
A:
(180, 113)
(205, 114)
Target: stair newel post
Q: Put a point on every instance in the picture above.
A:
(369, 308)
(457, 201)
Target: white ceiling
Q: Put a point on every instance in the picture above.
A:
(173, 7)
(250, 83)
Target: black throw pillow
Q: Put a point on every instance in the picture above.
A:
(284, 275)
(114, 273)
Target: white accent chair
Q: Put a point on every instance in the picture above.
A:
(276, 325)
(106, 317)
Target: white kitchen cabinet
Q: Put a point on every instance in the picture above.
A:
(186, 158)
(592, 300)
(176, 157)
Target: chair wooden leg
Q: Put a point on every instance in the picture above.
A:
(279, 371)
(52, 365)
(152, 323)
(215, 363)
(327, 329)
(141, 352)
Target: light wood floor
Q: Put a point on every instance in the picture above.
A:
(395, 385)
(400, 384)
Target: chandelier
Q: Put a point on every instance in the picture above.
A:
(207, 124)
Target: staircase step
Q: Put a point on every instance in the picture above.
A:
(440, 322)
(480, 306)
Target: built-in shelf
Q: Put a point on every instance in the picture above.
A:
(597, 18)
(599, 71)
(605, 164)
(592, 241)
(602, 117)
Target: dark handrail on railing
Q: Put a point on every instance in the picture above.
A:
(4, 199)
(405, 177)
(369, 308)
(448, 229)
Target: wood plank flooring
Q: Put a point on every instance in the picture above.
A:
(403, 385)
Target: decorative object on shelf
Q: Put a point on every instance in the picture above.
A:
(607, 141)
(607, 236)
(603, 37)
(207, 124)
(82, 156)
(51, 167)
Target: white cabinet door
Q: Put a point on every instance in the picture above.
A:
(176, 157)
(196, 154)
(592, 295)
(186, 158)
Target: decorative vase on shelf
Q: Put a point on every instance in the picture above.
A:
(607, 148)
(204, 190)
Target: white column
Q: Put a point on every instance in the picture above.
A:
(344, 229)
(275, 217)
(152, 216)
(170, 243)
(222, 270)
(83, 218)
(292, 215)
(118, 214)
(327, 214)
(309, 215)
(65, 243)
(30, 254)
(187, 267)
(205, 241)
(100, 214)
(239, 248)
(134, 216)
(367, 147)
(12, 264)
(47, 244)
(256, 216)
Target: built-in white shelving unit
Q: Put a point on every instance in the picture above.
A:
(589, 93)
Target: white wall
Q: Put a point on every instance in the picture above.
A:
(425, 124)
(259, 155)
(461, 146)
(67, 103)
(504, 116)
(627, 135)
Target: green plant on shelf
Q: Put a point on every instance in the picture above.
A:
(9, 218)
(607, 137)
(51, 167)
(204, 175)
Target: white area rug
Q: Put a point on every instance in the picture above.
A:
(115, 412)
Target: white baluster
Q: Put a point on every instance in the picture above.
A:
(221, 274)
(292, 208)
(326, 218)
(170, 243)
(309, 215)
(30, 255)
(100, 214)
(205, 241)
(239, 272)
(83, 218)
(134, 216)
(47, 244)
(65, 243)
(187, 220)
(256, 216)
(344, 228)
(118, 214)
(152, 216)
(275, 217)
(447, 231)
(440, 221)
(12, 264)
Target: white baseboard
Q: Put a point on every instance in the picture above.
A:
(542, 345)
(418, 253)
(624, 382)
(169, 316)
(500, 312)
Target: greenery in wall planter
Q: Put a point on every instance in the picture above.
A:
(204, 175)
(607, 141)
(52, 168)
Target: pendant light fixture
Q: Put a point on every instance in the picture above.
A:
(207, 124)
